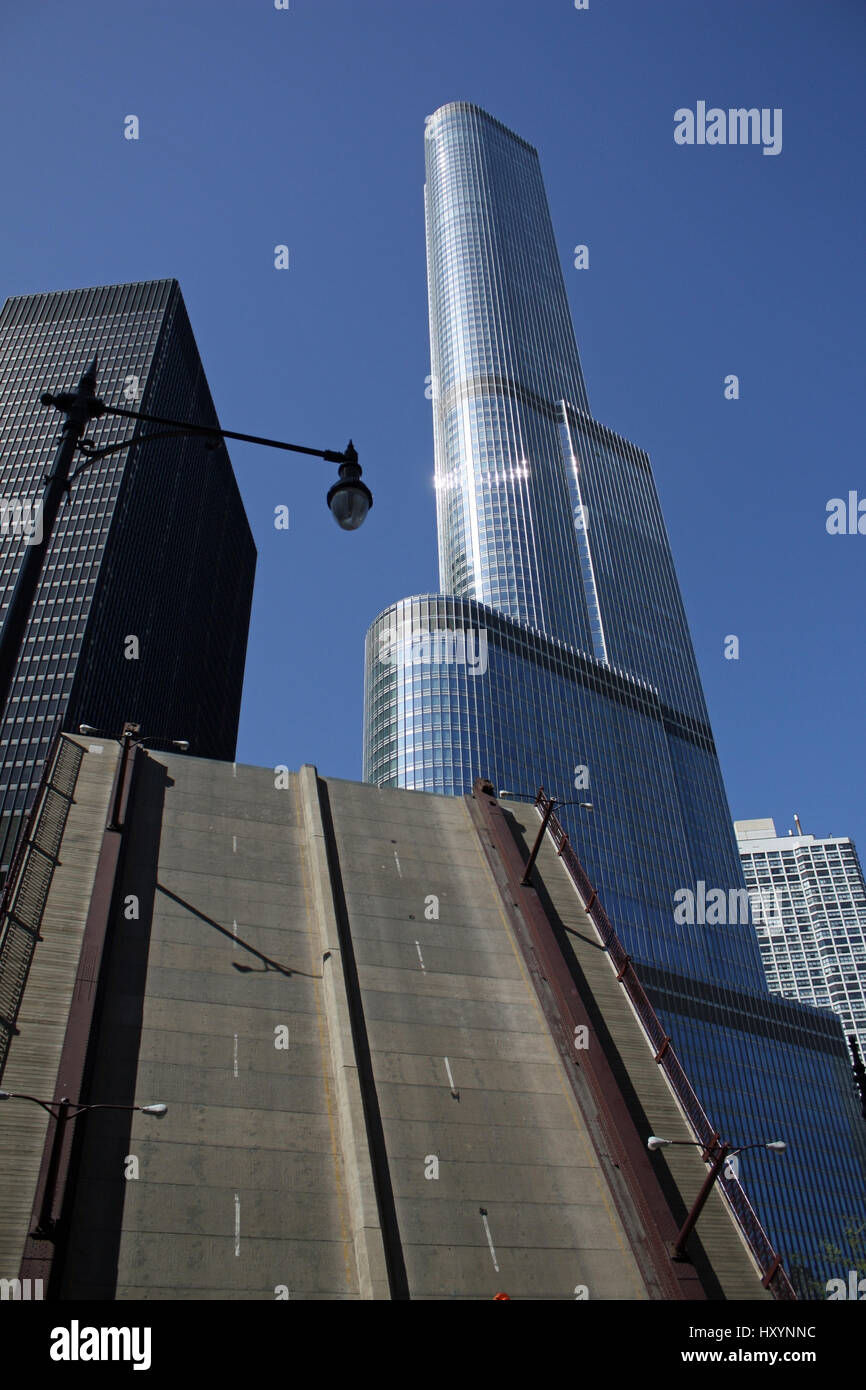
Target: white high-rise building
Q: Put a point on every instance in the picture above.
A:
(814, 945)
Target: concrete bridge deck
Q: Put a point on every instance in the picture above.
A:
(331, 987)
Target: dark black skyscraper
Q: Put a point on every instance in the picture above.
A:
(143, 606)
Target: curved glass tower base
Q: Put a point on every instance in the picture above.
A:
(454, 691)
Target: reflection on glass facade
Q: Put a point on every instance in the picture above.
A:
(561, 656)
(153, 542)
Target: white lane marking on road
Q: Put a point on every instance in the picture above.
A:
(234, 844)
(234, 769)
(420, 957)
(490, 1241)
(235, 935)
(236, 1054)
(237, 1223)
(397, 862)
(450, 1077)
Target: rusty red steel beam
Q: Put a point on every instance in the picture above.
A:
(39, 1255)
(619, 1141)
(769, 1261)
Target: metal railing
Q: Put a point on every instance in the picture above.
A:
(29, 879)
(773, 1275)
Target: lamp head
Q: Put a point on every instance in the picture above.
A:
(350, 499)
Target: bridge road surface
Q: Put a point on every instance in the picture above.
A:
(364, 1099)
(241, 1192)
(496, 1186)
(259, 1177)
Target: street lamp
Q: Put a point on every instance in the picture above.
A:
(548, 812)
(66, 1110)
(130, 737)
(725, 1151)
(349, 499)
(180, 743)
(527, 796)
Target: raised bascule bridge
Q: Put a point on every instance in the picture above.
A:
(393, 1067)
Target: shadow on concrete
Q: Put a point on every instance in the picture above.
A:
(102, 1141)
(267, 963)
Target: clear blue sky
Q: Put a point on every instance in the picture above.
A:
(305, 127)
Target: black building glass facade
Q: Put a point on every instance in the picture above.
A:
(144, 601)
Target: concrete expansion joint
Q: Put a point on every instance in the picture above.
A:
(363, 1215)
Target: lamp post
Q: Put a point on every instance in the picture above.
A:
(129, 738)
(549, 810)
(66, 1110)
(722, 1154)
(349, 499)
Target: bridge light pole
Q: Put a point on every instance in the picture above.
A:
(130, 737)
(66, 1110)
(722, 1154)
(548, 812)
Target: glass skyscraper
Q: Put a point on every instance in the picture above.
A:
(152, 544)
(558, 654)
